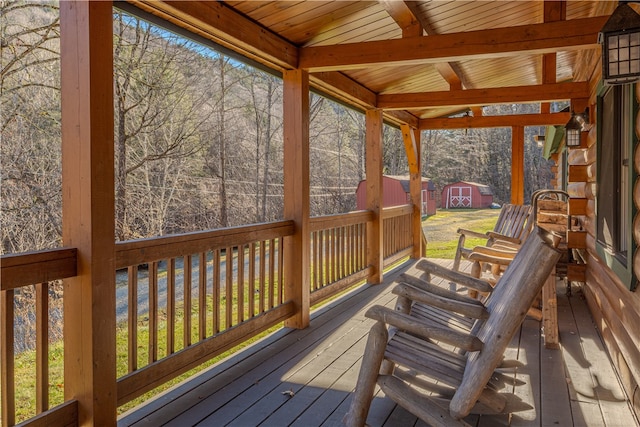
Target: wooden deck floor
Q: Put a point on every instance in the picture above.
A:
(305, 377)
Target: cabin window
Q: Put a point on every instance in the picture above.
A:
(617, 109)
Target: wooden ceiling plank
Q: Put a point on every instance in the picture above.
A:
(470, 97)
(534, 38)
(470, 122)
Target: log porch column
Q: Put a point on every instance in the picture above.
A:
(88, 208)
(517, 165)
(411, 139)
(373, 166)
(296, 194)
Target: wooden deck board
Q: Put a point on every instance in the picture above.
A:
(571, 386)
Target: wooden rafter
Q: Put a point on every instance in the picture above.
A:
(413, 26)
(498, 42)
(515, 94)
(471, 122)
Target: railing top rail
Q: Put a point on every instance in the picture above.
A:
(340, 220)
(27, 268)
(135, 252)
(397, 211)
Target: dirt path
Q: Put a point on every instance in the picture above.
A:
(442, 226)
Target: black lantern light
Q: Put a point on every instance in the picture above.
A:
(620, 40)
(573, 130)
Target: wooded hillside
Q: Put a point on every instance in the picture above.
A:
(198, 137)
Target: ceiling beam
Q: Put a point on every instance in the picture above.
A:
(412, 26)
(498, 42)
(470, 97)
(470, 122)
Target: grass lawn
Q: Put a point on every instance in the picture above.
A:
(441, 229)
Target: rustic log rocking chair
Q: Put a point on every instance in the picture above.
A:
(512, 226)
(442, 373)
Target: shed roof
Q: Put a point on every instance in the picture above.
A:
(484, 189)
(404, 181)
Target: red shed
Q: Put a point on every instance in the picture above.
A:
(465, 194)
(396, 193)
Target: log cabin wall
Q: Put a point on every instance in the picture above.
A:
(615, 309)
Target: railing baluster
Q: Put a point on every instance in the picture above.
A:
(280, 270)
(272, 265)
(327, 257)
(252, 280)
(320, 256)
(132, 318)
(8, 407)
(216, 291)
(263, 290)
(343, 255)
(202, 296)
(153, 311)
(228, 292)
(186, 339)
(171, 305)
(241, 285)
(42, 347)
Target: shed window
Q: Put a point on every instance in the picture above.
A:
(616, 109)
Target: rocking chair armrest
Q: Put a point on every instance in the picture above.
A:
(454, 276)
(491, 259)
(413, 326)
(506, 246)
(497, 236)
(499, 251)
(471, 233)
(474, 311)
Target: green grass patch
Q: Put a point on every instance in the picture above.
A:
(447, 250)
(441, 229)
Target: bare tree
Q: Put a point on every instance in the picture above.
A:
(158, 121)
(30, 126)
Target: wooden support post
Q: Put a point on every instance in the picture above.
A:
(411, 139)
(296, 194)
(88, 208)
(517, 165)
(553, 11)
(375, 253)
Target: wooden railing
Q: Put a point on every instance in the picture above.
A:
(19, 272)
(397, 236)
(208, 291)
(338, 253)
(183, 299)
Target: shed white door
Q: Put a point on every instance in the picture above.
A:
(459, 197)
